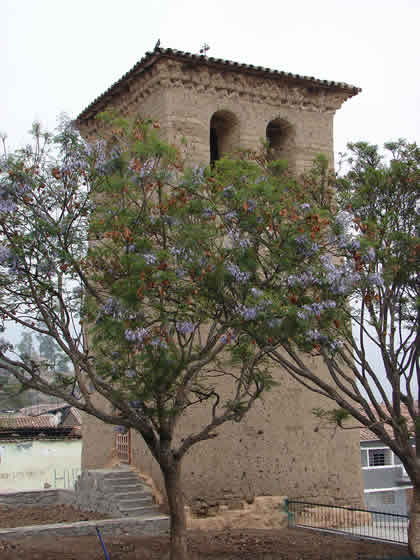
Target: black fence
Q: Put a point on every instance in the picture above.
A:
(349, 521)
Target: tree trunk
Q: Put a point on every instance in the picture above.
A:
(414, 524)
(172, 476)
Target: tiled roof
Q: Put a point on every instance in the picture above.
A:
(12, 422)
(76, 413)
(151, 57)
(368, 435)
(39, 409)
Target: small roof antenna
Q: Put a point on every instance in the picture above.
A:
(157, 44)
(204, 49)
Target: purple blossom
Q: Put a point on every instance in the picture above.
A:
(342, 278)
(230, 216)
(74, 164)
(305, 279)
(135, 404)
(239, 276)
(348, 243)
(208, 213)
(7, 205)
(313, 334)
(371, 254)
(159, 343)
(136, 336)
(238, 241)
(182, 253)
(150, 258)
(112, 308)
(343, 219)
(305, 206)
(5, 254)
(375, 279)
(304, 248)
(248, 313)
(315, 309)
(185, 327)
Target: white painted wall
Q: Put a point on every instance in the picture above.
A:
(31, 464)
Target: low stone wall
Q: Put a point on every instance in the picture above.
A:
(37, 498)
(139, 526)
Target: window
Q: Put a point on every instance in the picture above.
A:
(388, 498)
(380, 457)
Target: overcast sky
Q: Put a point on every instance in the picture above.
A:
(57, 56)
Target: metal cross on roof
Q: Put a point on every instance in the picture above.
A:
(204, 49)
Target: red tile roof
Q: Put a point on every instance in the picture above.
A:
(368, 435)
(150, 58)
(40, 409)
(44, 421)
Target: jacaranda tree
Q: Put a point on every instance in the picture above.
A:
(371, 348)
(166, 288)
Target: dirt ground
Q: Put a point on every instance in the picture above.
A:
(283, 544)
(21, 517)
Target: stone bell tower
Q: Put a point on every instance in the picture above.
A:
(217, 106)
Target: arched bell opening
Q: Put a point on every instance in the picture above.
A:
(281, 141)
(224, 135)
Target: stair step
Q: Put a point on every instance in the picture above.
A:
(137, 511)
(119, 475)
(130, 495)
(121, 478)
(127, 487)
(136, 501)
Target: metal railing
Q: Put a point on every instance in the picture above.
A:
(65, 478)
(358, 522)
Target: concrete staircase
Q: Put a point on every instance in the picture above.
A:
(118, 492)
(131, 497)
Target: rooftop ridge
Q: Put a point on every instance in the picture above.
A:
(150, 57)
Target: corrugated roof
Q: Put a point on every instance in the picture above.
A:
(151, 58)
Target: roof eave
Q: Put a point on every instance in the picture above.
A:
(150, 58)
